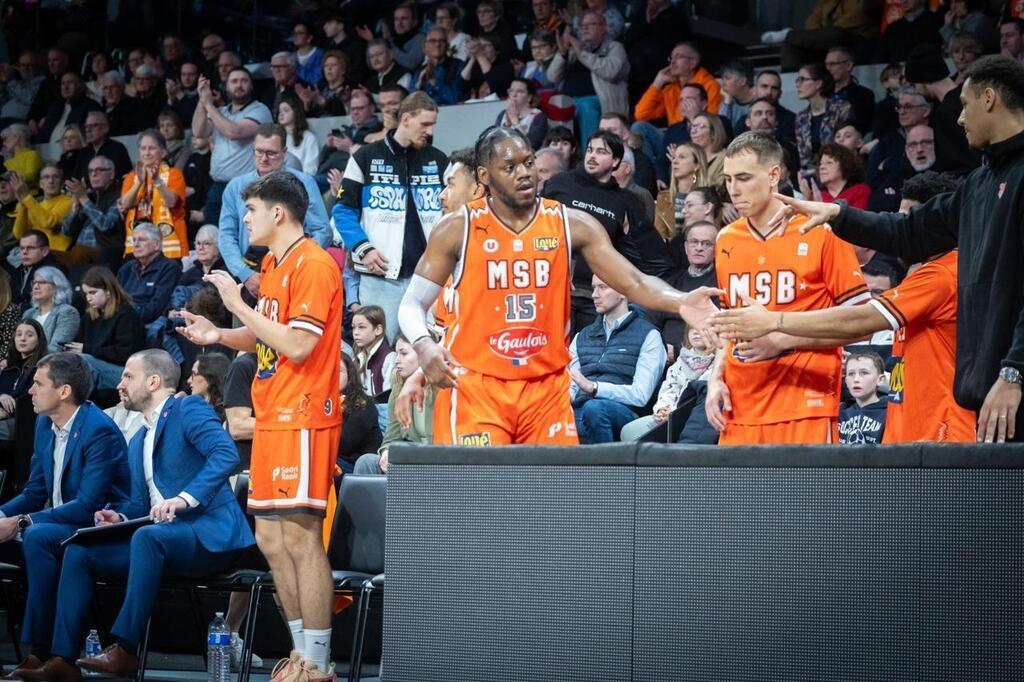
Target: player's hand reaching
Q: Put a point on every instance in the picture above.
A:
(437, 363)
(717, 403)
(749, 322)
(230, 291)
(818, 212)
(412, 394)
(198, 329)
(697, 308)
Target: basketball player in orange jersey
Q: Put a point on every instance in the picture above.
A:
(505, 353)
(922, 311)
(460, 188)
(792, 398)
(295, 332)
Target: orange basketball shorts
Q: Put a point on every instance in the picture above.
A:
(813, 431)
(486, 410)
(292, 471)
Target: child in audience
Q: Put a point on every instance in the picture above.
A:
(693, 364)
(374, 356)
(360, 432)
(422, 426)
(862, 420)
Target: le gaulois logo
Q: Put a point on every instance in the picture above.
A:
(517, 343)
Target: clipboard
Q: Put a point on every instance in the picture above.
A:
(111, 533)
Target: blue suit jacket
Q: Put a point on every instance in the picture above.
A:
(192, 453)
(95, 470)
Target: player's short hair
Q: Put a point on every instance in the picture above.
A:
(159, 362)
(466, 157)
(924, 186)
(415, 103)
(611, 140)
(881, 269)
(869, 355)
(490, 138)
(42, 239)
(764, 147)
(269, 130)
(283, 189)
(69, 369)
(1003, 74)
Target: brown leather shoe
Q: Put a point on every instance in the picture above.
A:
(114, 660)
(54, 670)
(30, 663)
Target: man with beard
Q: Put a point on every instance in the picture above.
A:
(591, 188)
(502, 368)
(233, 127)
(913, 110)
(390, 200)
(919, 156)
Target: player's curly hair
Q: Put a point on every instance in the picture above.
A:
(490, 138)
(924, 186)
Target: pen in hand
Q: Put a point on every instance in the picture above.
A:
(98, 519)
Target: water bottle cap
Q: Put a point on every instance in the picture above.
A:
(220, 614)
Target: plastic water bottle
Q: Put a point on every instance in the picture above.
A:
(93, 648)
(218, 650)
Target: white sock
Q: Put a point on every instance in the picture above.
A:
(298, 636)
(318, 647)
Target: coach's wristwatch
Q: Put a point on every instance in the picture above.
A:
(1010, 375)
(24, 521)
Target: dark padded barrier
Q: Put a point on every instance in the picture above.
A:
(689, 563)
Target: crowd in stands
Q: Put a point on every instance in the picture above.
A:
(628, 122)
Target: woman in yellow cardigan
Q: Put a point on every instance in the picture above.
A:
(45, 213)
(21, 157)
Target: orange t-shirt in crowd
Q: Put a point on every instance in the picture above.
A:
(304, 292)
(508, 307)
(922, 312)
(786, 271)
(893, 11)
(1016, 9)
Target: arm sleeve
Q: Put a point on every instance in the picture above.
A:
(651, 106)
(649, 367)
(228, 235)
(556, 69)
(204, 431)
(103, 221)
(122, 341)
(316, 215)
(922, 295)
(614, 66)
(349, 207)
(33, 496)
(65, 329)
(928, 230)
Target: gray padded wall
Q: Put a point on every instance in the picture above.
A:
(509, 572)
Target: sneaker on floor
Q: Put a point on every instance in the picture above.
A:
(287, 669)
(317, 675)
(307, 671)
(236, 654)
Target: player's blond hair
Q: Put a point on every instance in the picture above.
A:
(763, 146)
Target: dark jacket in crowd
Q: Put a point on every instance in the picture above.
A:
(902, 36)
(360, 433)
(7, 215)
(112, 340)
(150, 287)
(197, 176)
(21, 280)
(614, 208)
(984, 217)
(952, 153)
(111, 149)
(611, 358)
(80, 108)
(125, 118)
(862, 101)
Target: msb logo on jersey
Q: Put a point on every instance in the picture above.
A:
(545, 243)
(518, 344)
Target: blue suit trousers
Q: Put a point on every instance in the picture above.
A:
(171, 547)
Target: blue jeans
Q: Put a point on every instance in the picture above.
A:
(588, 117)
(104, 374)
(368, 465)
(600, 420)
(387, 293)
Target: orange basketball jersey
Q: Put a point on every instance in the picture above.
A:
(303, 291)
(786, 272)
(508, 313)
(922, 311)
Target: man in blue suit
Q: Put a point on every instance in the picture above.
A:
(79, 463)
(180, 463)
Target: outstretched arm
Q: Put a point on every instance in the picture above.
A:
(590, 238)
(754, 320)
